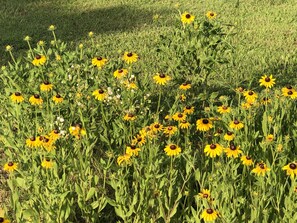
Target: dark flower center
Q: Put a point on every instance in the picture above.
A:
(188, 16)
(58, 96)
(188, 107)
(139, 139)
(205, 195)
(36, 96)
(41, 138)
(290, 92)
(185, 84)
(17, 94)
(45, 140)
(229, 133)
(169, 128)
(289, 87)
(38, 57)
(250, 93)
(46, 82)
(173, 147)
(267, 79)
(120, 71)
(209, 211)
(157, 126)
(1, 219)
(32, 139)
(248, 157)
(224, 107)
(236, 122)
(205, 121)
(180, 115)
(219, 131)
(213, 146)
(211, 14)
(262, 166)
(162, 75)
(129, 54)
(130, 115)
(47, 159)
(56, 131)
(78, 125)
(133, 147)
(293, 166)
(265, 99)
(10, 164)
(101, 91)
(99, 58)
(232, 147)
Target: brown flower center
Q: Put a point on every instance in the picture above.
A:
(262, 166)
(162, 75)
(205, 121)
(10, 164)
(36, 96)
(37, 57)
(219, 131)
(46, 140)
(1, 219)
(46, 82)
(169, 128)
(236, 122)
(32, 139)
(120, 71)
(17, 94)
(180, 115)
(139, 139)
(205, 195)
(290, 92)
(101, 91)
(232, 147)
(250, 93)
(267, 79)
(58, 96)
(209, 211)
(133, 147)
(211, 14)
(130, 115)
(229, 133)
(173, 147)
(99, 58)
(224, 107)
(56, 131)
(188, 16)
(188, 107)
(213, 146)
(293, 166)
(129, 54)
(289, 87)
(47, 159)
(157, 126)
(248, 157)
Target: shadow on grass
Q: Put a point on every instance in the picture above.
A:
(29, 18)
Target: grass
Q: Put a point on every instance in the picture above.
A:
(265, 32)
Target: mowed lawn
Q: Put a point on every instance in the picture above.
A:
(264, 39)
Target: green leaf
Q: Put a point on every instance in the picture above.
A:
(91, 193)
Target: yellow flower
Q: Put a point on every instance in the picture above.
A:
(209, 215)
(182, 97)
(99, 62)
(47, 163)
(213, 150)
(58, 99)
(156, 127)
(120, 73)
(46, 86)
(237, 125)
(99, 94)
(187, 18)
(91, 34)
(204, 124)
(246, 160)
(132, 150)
(224, 109)
(10, 167)
(35, 99)
(179, 117)
(39, 60)
(4, 220)
(170, 130)
(287, 88)
(54, 134)
(8, 48)
(266, 81)
(52, 28)
(185, 86)
(130, 57)
(124, 159)
(139, 140)
(211, 15)
(17, 97)
(291, 169)
(184, 124)
(290, 93)
(205, 193)
(269, 138)
(32, 142)
(250, 96)
(77, 131)
(172, 150)
(41, 43)
(161, 79)
(233, 151)
(188, 110)
(48, 144)
(229, 136)
(129, 117)
(260, 169)
(27, 38)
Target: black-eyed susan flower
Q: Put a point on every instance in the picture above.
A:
(188, 110)
(130, 84)
(124, 159)
(170, 130)
(35, 99)
(39, 60)
(224, 109)
(100, 94)
(211, 15)
(261, 169)
(139, 140)
(182, 97)
(47, 163)
(250, 96)
(269, 138)
(237, 125)
(184, 125)
(205, 194)
(46, 86)
(172, 150)
(179, 117)
(120, 73)
(32, 142)
(161, 79)
(233, 151)
(99, 62)
(55, 134)
(291, 94)
(246, 105)
(204, 124)
(58, 98)
(156, 127)
(4, 220)
(129, 117)
(291, 169)
(286, 89)
(265, 100)
(185, 86)
(130, 57)
(246, 160)
(213, 150)
(229, 136)
(17, 97)
(10, 167)
(132, 150)
(48, 144)
(209, 215)
(266, 81)
(187, 18)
